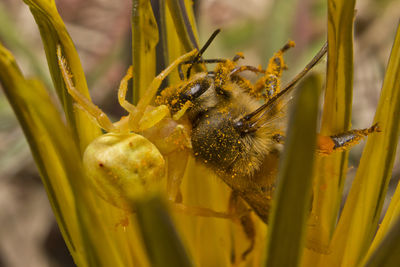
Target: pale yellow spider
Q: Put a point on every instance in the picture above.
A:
(122, 164)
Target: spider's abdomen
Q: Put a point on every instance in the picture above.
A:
(123, 167)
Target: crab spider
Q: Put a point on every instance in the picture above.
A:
(129, 159)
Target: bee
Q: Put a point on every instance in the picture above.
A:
(236, 125)
(224, 120)
(232, 130)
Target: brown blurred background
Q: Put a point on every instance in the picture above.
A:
(100, 29)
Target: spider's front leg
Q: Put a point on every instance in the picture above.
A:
(140, 118)
(81, 100)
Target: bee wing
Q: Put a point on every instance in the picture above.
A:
(275, 115)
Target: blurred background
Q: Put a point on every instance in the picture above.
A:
(100, 29)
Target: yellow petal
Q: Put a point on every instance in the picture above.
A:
(53, 32)
(330, 171)
(291, 201)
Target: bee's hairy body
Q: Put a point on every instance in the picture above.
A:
(236, 124)
(215, 139)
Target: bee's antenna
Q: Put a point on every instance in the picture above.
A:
(249, 122)
(205, 46)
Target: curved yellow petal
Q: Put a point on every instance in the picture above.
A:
(53, 32)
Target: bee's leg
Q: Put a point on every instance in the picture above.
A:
(238, 56)
(194, 61)
(244, 84)
(344, 141)
(239, 207)
(153, 87)
(84, 102)
(270, 82)
(278, 138)
(239, 69)
(339, 142)
(235, 71)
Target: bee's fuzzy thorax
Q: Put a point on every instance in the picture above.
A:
(217, 143)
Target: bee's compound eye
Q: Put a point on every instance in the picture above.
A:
(123, 167)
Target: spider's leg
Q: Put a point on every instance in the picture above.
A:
(123, 87)
(86, 104)
(153, 87)
(152, 116)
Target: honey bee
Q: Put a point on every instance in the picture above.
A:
(229, 123)
(232, 130)
(236, 125)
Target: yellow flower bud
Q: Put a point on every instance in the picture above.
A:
(123, 167)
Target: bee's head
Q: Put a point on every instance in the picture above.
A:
(190, 91)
